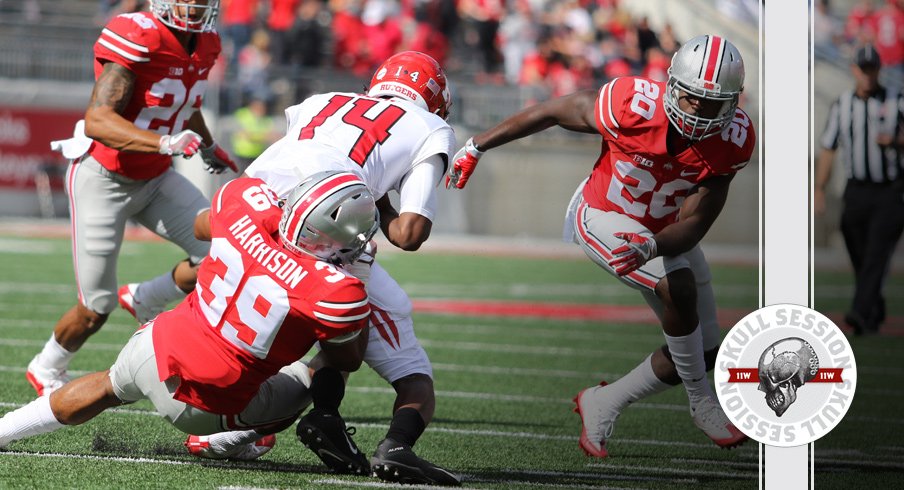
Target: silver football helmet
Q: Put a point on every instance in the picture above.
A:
(709, 67)
(331, 215)
(175, 13)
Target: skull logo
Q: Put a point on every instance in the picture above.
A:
(784, 367)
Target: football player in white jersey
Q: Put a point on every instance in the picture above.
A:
(669, 149)
(395, 138)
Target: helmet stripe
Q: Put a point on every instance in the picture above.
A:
(714, 51)
(311, 199)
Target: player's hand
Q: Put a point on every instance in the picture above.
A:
(185, 143)
(216, 160)
(463, 164)
(637, 251)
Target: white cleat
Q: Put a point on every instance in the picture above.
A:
(200, 446)
(711, 419)
(597, 420)
(128, 300)
(45, 380)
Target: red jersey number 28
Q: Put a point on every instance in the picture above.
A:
(374, 129)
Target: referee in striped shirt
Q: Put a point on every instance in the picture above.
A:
(866, 127)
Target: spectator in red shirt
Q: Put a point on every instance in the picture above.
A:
(888, 38)
(238, 18)
(279, 22)
(347, 32)
(382, 34)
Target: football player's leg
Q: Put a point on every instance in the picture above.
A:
(79, 401)
(98, 208)
(394, 352)
(691, 356)
(323, 430)
(134, 376)
(73, 404)
(277, 404)
(173, 204)
(600, 406)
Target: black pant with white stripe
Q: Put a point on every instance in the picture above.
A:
(872, 222)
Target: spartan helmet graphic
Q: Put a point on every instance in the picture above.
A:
(784, 367)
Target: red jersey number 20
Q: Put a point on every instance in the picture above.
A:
(374, 129)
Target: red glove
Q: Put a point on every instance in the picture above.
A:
(463, 164)
(216, 160)
(185, 143)
(637, 251)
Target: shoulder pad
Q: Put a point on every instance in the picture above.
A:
(610, 106)
(128, 39)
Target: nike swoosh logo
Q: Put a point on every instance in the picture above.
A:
(685, 173)
(350, 445)
(202, 70)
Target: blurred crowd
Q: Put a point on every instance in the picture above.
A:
(878, 22)
(558, 46)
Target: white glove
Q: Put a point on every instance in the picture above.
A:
(637, 250)
(185, 143)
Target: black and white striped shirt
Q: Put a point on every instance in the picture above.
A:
(852, 128)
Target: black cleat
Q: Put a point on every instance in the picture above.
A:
(327, 436)
(396, 462)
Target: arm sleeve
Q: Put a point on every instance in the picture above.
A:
(344, 311)
(127, 41)
(417, 194)
(829, 139)
(608, 110)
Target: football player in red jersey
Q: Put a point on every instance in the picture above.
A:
(227, 357)
(151, 70)
(396, 139)
(670, 150)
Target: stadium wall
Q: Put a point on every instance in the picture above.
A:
(520, 190)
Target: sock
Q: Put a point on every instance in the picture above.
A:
(406, 427)
(687, 354)
(54, 356)
(229, 442)
(638, 384)
(327, 390)
(31, 420)
(159, 291)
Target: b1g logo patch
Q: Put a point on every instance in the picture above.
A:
(785, 375)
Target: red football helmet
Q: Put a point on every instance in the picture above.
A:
(413, 76)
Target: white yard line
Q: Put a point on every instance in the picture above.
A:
(752, 475)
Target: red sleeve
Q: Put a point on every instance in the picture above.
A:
(610, 107)
(740, 141)
(128, 40)
(343, 310)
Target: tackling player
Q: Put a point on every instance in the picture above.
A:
(395, 138)
(669, 152)
(151, 70)
(226, 358)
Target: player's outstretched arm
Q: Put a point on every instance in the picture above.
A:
(698, 213)
(103, 118)
(574, 112)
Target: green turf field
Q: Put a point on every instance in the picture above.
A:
(503, 417)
